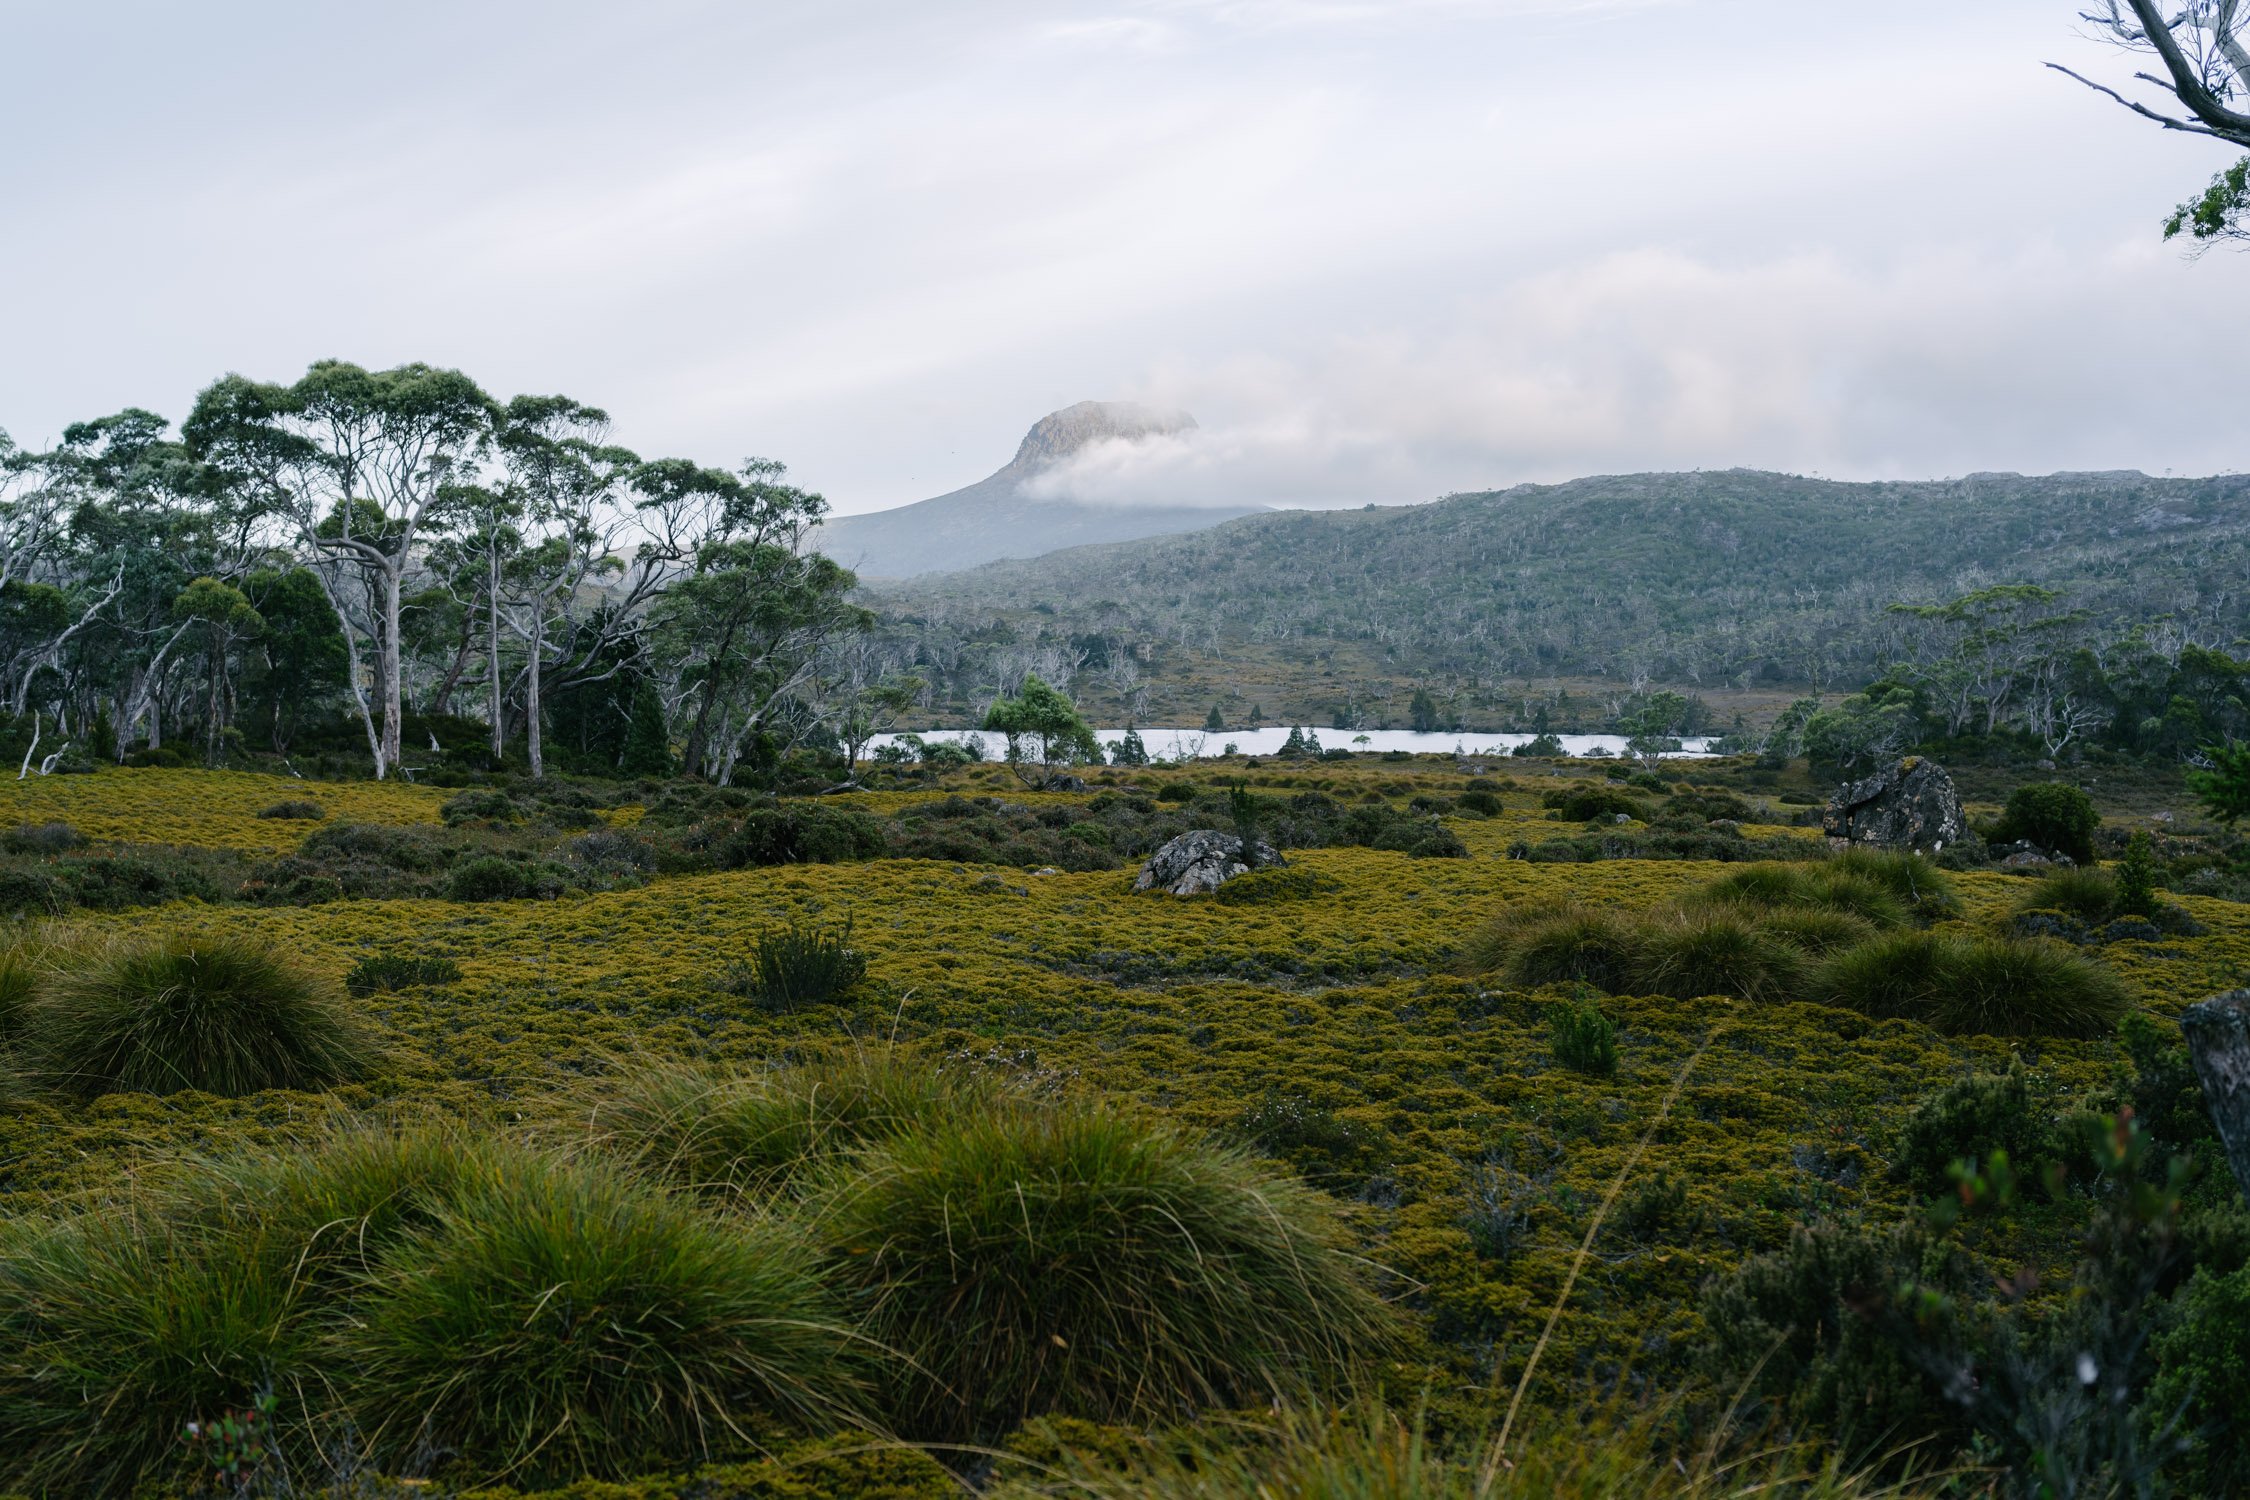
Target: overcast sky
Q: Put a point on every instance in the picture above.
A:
(1380, 250)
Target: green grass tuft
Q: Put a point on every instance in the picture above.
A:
(1557, 945)
(116, 1330)
(1715, 952)
(1092, 1264)
(2087, 893)
(160, 1015)
(735, 1135)
(1984, 986)
(1816, 930)
(561, 1321)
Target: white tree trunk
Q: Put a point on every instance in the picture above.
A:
(531, 702)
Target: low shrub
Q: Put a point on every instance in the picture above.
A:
(799, 834)
(1558, 945)
(1313, 1139)
(480, 805)
(1709, 807)
(387, 973)
(802, 963)
(143, 877)
(1438, 842)
(2202, 1376)
(2139, 875)
(295, 810)
(2054, 815)
(41, 838)
(494, 877)
(1110, 1268)
(162, 1014)
(1585, 804)
(1583, 1038)
(34, 891)
(1715, 952)
(1990, 986)
(1813, 1327)
(1969, 1119)
(731, 1135)
(1484, 803)
(559, 1322)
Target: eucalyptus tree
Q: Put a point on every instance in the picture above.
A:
(359, 465)
(745, 608)
(2203, 48)
(569, 595)
(145, 519)
(222, 615)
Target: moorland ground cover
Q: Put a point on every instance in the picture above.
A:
(1361, 1028)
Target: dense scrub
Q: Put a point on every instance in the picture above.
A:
(1358, 1023)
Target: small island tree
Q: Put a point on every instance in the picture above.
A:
(1045, 732)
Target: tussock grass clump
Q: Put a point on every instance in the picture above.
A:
(2026, 987)
(164, 1014)
(1885, 889)
(1816, 930)
(326, 1211)
(1927, 890)
(1558, 945)
(1368, 1452)
(1715, 952)
(561, 1321)
(1093, 1264)
(1983, 986)
(116, 1330)
(735, 1135)
(2087, 893)
(1898, 975)
(24, 965)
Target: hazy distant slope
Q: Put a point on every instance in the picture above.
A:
(994, 518)
(1692, 577)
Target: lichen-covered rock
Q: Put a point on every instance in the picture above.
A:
(1910, 806)
(1199, 861)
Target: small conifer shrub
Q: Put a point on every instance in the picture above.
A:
(799, 964)
(1583, 1038)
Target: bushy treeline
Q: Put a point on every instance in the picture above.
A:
(2017, 672)
(360, 556)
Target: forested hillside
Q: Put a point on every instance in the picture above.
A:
(1698, 578)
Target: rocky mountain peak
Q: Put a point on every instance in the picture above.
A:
(1059, 434)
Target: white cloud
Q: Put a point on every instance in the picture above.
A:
(1941, 362)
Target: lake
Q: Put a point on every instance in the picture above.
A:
(1195, 744)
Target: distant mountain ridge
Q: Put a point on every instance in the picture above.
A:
(995, 519)
(1692, 577)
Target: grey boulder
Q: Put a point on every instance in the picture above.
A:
(1910, 806)
(1199, 862)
